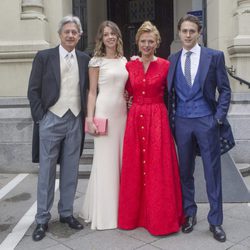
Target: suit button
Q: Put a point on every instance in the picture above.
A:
(143, 92)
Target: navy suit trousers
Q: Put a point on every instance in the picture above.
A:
(204, 132)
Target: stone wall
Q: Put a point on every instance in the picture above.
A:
(16, 134)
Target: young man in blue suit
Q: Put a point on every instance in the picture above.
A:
(57, 95)
(198, 120)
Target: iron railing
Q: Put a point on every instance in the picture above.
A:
(231, 72)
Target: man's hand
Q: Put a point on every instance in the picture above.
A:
(133, 58)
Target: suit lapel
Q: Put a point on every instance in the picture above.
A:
(173, 63)
(205, 61)
(55, 61)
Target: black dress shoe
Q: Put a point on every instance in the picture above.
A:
(188, 226)
(39, 232)
(218, 233)
(72, 222)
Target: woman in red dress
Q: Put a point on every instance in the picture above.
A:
(150, 191)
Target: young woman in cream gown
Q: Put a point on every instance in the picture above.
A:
(108, 76)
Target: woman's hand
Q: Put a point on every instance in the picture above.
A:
(126, 95)
(133, 58)
(128, 99)
(129, 102)
(92, 128)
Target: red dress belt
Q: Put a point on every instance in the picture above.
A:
(147, 100)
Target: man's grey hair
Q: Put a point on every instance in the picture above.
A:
(70, 19)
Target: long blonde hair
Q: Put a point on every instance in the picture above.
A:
(100, 50)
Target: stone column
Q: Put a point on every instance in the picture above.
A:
(239, 46)
(239, 54)
(25, 32)
(32, 9)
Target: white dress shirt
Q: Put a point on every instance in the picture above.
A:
(63, 52)
(195, 59)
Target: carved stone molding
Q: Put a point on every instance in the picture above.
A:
(21, 50)
(241, 42)
(32, 9)
(243, 2)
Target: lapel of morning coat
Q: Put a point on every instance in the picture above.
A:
(55, 62)
(173, 64)
(205, 61)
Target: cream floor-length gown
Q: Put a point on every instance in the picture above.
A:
(100, 206)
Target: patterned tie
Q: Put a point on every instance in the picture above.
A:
(69, 60)
(187, 68)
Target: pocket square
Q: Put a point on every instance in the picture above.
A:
(101, 124)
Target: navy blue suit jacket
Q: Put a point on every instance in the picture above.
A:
(44, 87)
(213, 78)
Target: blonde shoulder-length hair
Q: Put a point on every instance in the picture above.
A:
(100, 49)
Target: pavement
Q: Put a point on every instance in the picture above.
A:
(18, 207)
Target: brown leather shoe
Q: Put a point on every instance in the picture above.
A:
(188, 226)
(218, 233)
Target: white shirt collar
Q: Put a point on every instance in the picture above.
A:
(63, 52)
(196, 50)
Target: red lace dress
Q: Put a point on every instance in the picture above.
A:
(150, 191)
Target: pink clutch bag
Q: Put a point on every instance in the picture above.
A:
(101, 124)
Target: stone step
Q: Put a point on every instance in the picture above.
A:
(244, 168)
(87, 156)
(84, 171)
(247, 182)
(88, 142)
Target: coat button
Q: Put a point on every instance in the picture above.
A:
(143, 92)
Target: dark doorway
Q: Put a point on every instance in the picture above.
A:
(130, 14)
(80, 10)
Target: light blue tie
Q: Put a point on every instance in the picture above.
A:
(187, 68)
(69, 60)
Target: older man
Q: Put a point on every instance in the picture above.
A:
(57, 95)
